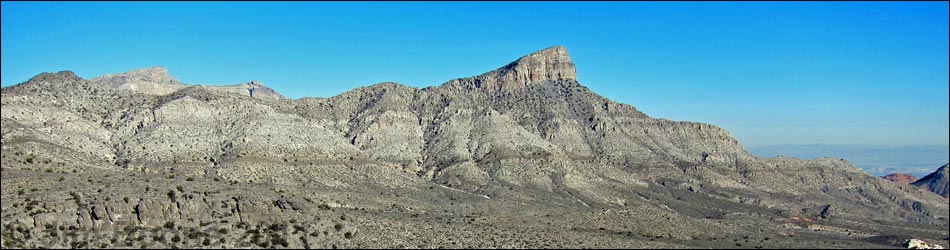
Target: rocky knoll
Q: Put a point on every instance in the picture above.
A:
(389, 165)
(900, 178)
(154, 80)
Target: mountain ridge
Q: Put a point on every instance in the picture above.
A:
(517, 141)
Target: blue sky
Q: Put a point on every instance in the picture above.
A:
(769, 72)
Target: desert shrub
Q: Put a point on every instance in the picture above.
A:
(172, 195)
(278, 240)
(278, 227)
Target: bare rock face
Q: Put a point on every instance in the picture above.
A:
(900, 178)
(920, 244)
(253, 89)
(550, 64)
(153, 81)
(935, 182)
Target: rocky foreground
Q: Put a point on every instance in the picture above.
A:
(522, 156)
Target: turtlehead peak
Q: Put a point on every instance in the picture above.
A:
(550, 64)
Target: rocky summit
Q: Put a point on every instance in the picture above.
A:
(523, 156)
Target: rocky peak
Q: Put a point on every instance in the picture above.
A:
(550, 64)
(62, 76)
(151, 75)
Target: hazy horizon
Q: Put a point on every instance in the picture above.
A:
(876, 160)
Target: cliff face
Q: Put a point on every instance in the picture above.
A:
(525, 134)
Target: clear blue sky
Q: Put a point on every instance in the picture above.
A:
(769, 72)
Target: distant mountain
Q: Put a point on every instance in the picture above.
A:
(900, 178)
(156, 81)
(876, 160)
(153, 80)
(935, 182)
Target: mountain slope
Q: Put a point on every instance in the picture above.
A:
(935, 182)
(525, 139)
